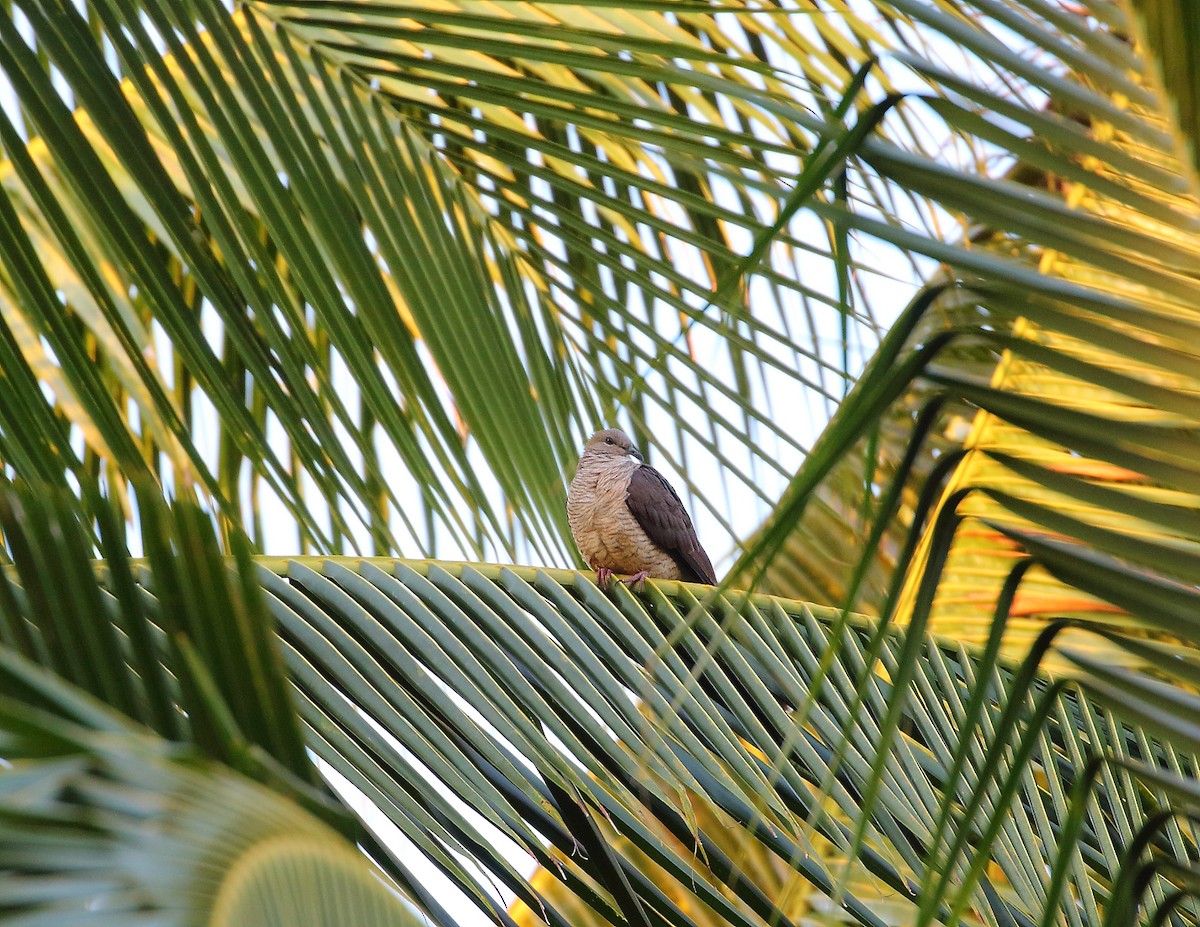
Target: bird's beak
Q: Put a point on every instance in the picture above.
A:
(634, 452)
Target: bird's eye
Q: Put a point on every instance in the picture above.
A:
(608, 441)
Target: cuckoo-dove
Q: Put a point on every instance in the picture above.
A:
(626, 518)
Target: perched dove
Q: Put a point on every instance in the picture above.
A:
(626, 518)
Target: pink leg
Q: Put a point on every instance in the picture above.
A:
(637, 580)
(603, 577)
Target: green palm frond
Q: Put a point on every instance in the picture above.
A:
(103, 824)
(553, 714)
(1172, 28)
(1064, 341)
(153, 765)
(1080, 457)
(382, 243)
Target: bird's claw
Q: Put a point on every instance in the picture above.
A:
(604, 578)
(637, 580)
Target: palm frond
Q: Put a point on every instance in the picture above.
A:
(383, 242)
(480, 715)
(1171, 29)
(103, 823)
(1077, 374)
(1072, 294)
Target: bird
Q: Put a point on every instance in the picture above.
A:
(626, 518)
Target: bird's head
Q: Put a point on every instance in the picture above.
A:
(611, 442)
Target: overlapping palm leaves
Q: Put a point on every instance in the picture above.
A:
(527, 697)
(492, 221)
(291, 165)
(134, 727)
(1079, 454)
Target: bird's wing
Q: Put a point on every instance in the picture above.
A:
(662, 516)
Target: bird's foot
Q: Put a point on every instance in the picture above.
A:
(637, 580)
(604, 577)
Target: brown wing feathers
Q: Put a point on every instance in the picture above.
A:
(658, 509)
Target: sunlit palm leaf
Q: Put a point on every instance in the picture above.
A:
(1085, 430)
(1172, 28)
(823, 553)
(1097, 348)
(297, 162)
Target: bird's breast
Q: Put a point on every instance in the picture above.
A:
(608, 535)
